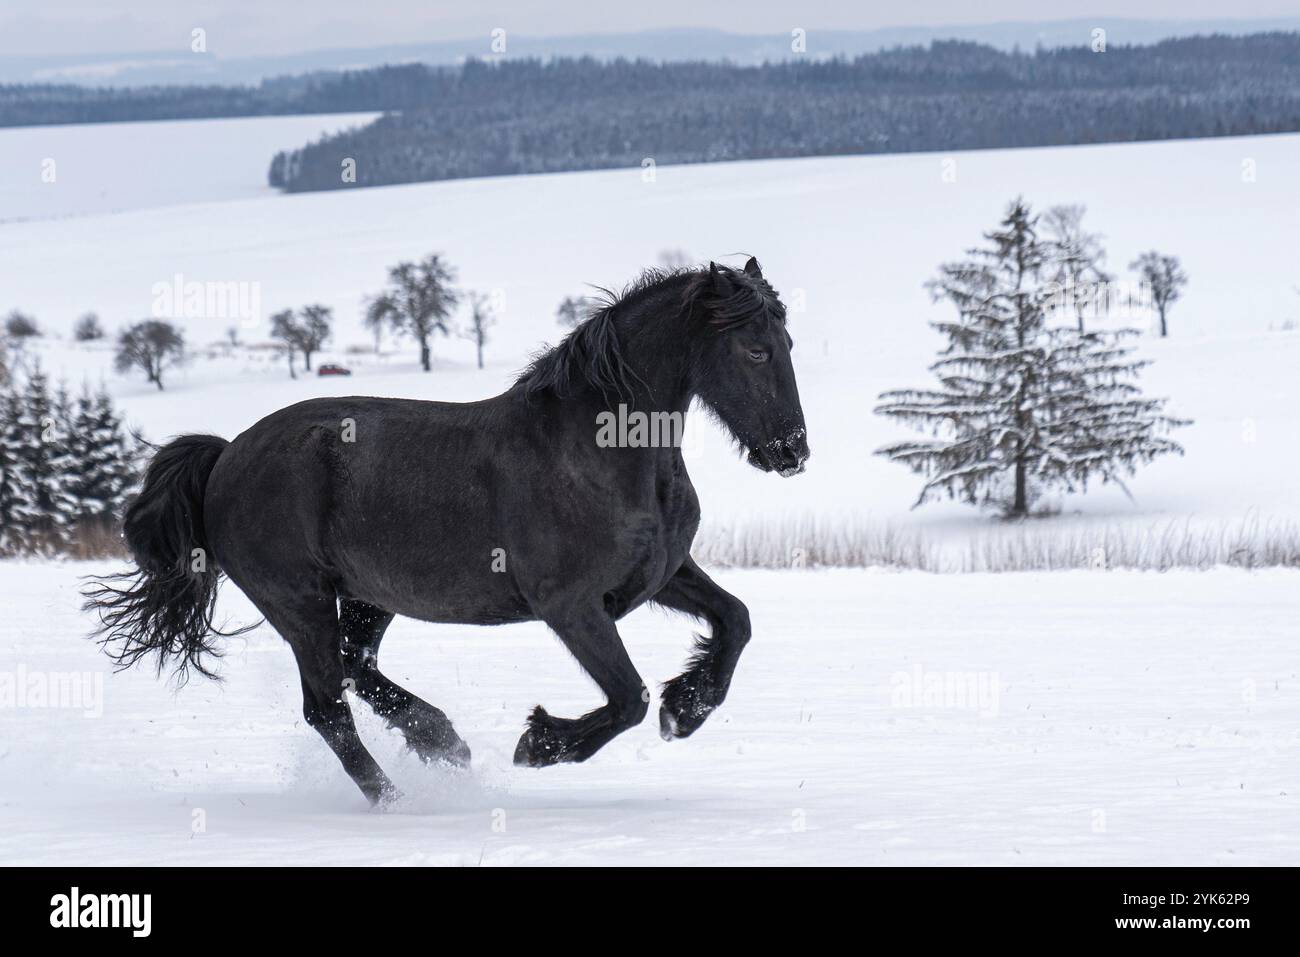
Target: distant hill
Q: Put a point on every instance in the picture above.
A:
(169, 68)
(512, 117)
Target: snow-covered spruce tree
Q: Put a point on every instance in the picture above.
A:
(125, 455)
(17, 495)
(1022, 407)
(101, 469)
(38, 442)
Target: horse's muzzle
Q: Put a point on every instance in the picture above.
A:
(784, 456)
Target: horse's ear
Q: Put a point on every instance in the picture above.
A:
(752, 269)
(721, 283)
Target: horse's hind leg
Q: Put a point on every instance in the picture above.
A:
(311, 629)
(694, 694)
(588, 633)
(427, 730)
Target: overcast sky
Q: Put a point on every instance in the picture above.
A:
(257, 27)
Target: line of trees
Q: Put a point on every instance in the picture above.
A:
(151, 346)
(1028, 402)
(67, 467)
(1247, 82)
(419, 301)
(528, 116)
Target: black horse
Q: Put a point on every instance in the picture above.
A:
(335, 514)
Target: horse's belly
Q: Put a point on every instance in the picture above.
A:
(431, 588)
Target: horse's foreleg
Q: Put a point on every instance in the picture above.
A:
(592, 638)
(427, 730)
(694, 694)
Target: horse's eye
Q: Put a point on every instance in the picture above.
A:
(758, 355)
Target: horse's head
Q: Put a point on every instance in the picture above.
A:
(742, 369)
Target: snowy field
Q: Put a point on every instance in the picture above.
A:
(56, 171)
(1123, 717)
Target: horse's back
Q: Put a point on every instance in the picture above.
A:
(379, 499)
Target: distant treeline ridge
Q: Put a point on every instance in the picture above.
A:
(526, 116)
(512, 117)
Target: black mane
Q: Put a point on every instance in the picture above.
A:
(591, 357)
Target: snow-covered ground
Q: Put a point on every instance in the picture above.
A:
(51, 172)
(1137, 717)
(1127, 718)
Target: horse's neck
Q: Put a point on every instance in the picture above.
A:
(661, 363)
(662, 392)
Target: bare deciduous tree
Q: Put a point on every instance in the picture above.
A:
(419, 301)
(152, 346)
(303, 332)
(572, 310)
(481, 318)
(311, 329)
(20, 326)
(1077, 257)
(88, 328)
(284, 331)
(1165, 276)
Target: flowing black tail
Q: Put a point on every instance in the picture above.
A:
(164, 607)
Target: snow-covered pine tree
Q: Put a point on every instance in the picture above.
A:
(88, 461)
(103, 468)
(39, 443)
(102, 471)
(1022, 407)
(17, 496)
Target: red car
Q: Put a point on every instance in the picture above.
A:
(333, 370)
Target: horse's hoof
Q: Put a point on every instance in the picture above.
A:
(683, 706)
(384, 798)
(456, 756)
(459, 755)
(668, 729)
(531, 752)
(539, 745)
(524, 750)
